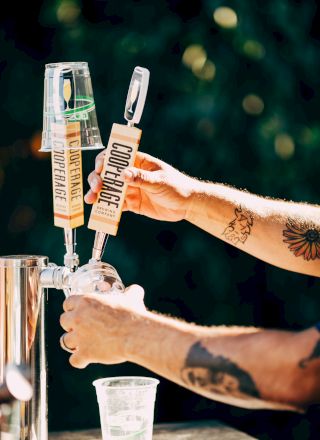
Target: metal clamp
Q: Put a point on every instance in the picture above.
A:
(55, 277)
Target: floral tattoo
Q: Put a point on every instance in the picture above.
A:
(303, 239)
(239, 229)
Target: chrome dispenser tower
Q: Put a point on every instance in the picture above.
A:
(24, 280)
(23, 341)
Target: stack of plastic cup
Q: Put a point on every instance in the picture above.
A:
(68, 98)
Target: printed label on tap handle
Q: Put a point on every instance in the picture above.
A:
(67, 175)
(120, 154)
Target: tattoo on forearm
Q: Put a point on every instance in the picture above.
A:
(217, 374)
(303, 239)
(313, 356)
(239, 229)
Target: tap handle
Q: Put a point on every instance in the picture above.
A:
(136, 95)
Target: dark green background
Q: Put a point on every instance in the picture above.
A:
(197, 125)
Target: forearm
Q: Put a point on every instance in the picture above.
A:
(250, 368)
(281, 233)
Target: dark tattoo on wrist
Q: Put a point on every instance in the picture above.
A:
(239, 229)
(217, 374)
(303, 239)
(314, 355)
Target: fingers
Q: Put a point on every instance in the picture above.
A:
(99, 162)
(70, 340)
(142, 160)
(95, 183)
(66, 321)
(68, 343)
(71, 302)
(148, 162)
(90, 197)
(141, 178)
(132, 200)
(77, 361)
(141, 175)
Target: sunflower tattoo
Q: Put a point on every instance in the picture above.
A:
(303, 239)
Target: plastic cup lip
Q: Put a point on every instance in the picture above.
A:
(91, 147)
(153, 382)
(79, 64)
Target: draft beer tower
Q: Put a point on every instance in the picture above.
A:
(69, 127)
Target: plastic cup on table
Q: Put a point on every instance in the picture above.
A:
(126, 407)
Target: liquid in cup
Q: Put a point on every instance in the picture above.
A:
(126, 406)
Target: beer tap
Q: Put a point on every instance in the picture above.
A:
(119, 154)
(66, 165)
(69, 126)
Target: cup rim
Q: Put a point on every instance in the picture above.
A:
(90, 147)
(66, 63)
(153, 382)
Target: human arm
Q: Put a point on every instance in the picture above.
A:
(246, 367)
(284, 234)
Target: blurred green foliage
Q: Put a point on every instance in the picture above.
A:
(233, 98)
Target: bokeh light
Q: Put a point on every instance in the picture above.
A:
(35, 145)
(225, 17)
(254, 49)
(68, 11)
(194, 56)
(206, 72)
(206, 60)
(284, 146)
(253, 104)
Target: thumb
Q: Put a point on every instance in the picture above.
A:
(135, 297)
(135, 292)
(142, 178)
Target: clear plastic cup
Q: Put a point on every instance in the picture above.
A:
(69, 107)
(126, 406)
(97, 277)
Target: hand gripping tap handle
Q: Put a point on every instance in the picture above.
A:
(120, 153)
